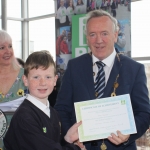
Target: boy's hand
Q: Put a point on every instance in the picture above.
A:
(80, 144)
(72, 134)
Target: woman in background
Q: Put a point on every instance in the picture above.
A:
(61, 12)
(63, 46)
(12, 89)
(70, 11)
(11, 84)
(80, 8)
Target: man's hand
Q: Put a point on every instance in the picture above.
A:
(72, 134)
(119, 138)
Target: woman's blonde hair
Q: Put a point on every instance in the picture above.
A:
(5, 37)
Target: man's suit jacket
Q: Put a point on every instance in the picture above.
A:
(78, 85)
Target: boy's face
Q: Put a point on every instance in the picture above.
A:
(40, 82)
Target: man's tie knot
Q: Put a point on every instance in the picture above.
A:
(100, 64)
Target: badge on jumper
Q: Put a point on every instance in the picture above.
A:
(3, 124)
(44, 129)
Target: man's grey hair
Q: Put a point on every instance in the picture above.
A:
(101, 13)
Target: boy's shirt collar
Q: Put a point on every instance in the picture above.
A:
(40, 105)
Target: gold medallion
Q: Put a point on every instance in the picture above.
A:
(113, 94)
(116, 85)
(103, 146)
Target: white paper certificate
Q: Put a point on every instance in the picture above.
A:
(101, 117)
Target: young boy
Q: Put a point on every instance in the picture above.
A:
(35, 125)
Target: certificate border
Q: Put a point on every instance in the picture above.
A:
(125, 99)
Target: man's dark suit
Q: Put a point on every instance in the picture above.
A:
(78, 85)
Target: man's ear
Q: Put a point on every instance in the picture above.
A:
(25, 80)
(115, 37)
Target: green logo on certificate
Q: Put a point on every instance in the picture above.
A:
(123, 102)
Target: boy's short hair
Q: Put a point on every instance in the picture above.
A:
(39, 59)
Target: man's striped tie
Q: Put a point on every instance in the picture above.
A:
(100, 80)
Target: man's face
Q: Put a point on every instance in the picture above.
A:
(101, 36)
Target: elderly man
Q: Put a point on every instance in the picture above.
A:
(81, 74)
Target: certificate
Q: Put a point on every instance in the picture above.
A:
(101, 117)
